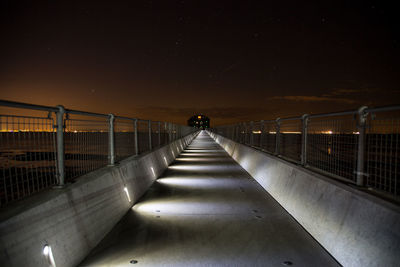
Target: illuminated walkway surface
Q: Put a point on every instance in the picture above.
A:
(204, 211)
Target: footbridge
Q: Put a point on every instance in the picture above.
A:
(88, 189)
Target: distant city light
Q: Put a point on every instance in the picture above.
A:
(290, 132)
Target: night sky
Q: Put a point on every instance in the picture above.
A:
(230, 60)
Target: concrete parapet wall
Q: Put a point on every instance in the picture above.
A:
(356, 228)
(74, 219)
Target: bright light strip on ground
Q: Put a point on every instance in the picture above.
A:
(127, 193)
(201, 159)
(189, 159)
(190, 182)
(189, 205)
(166, 162)
(204, 155)
(154, 174)
(189, 167)
(203, 168)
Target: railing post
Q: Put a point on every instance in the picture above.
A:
(237, 133)
(159, 133)
(362, 119)
(111, 140)
(165, 132)
(251, 133)
(169, 132)
(243, 136)
(149, 123)
(277, 137)
(261, 134)
(60, 146)
(245, 133)
(136, 137)
(304, 139)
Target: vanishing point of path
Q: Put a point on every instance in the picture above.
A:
(207, 211)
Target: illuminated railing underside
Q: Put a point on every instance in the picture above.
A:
(360, 146)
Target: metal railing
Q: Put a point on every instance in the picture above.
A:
(361, 146)
(56, 145)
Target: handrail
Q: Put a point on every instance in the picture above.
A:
(13, 104)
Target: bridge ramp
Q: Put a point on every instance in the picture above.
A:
(206, 210)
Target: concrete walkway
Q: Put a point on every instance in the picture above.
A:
(207, 211)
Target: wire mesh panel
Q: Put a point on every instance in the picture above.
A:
(233, 132)
(86, 145)
(229, 132)
(290, 139)
(256, 134)
(143, 136)
(174, 132)
(332, 144)
(167, 135)
(178, 131)
(268, 136)
(35, 153)
(247, 130)
(336, 144)
(155, 134)
(383, 151)
(224, 131)
(124, 136)
(221, 131)
(236, 133)
(27, 156)
(163, 133)
(242, 133)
